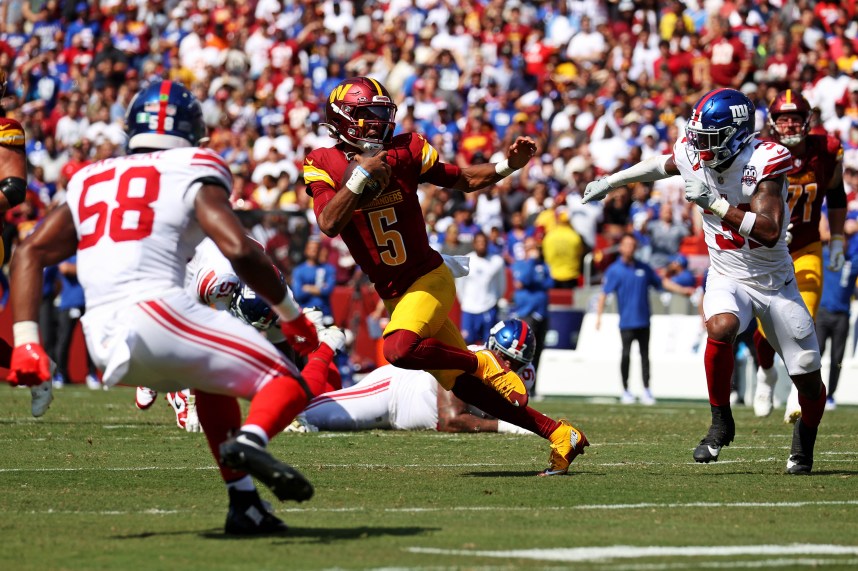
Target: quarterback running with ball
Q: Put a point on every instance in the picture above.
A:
(385, 231)
(739, 183)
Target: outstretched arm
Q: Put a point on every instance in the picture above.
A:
(476, 177)
(649, 170)
(453, 416)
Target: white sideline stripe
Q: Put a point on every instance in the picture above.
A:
(428, 466)
(752, 564)
(586, 507)
(593, 554)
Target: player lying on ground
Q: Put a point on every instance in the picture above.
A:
(402, 399)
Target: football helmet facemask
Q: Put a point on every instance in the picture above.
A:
(252, 309)
(790, 102)
(720, 126)
(361, 113)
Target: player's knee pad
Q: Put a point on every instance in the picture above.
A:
(805, 361)
(399, 345)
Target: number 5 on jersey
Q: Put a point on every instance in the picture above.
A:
(132, 218)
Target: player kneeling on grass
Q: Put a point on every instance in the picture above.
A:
(134, 222)
(403, 399)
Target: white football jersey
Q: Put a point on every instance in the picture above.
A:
(135, 222)
(210, 277)
(733, 255)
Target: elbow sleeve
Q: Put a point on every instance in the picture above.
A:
(14, 189)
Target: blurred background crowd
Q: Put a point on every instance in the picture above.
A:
(600, 84)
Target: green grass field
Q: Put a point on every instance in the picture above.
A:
(97, 484)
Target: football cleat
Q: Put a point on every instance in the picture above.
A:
(93, 384)
(41, 397)
(184, 404)
(567, 443)
(721, 433)
(800, 460)
(247, 453)
(507, 383)
(145, 398)
(766, 380)
(830, 404)
(249, 515)
(647, 398)
(627, 398)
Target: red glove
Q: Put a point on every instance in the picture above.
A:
(301, 334)
(30, 365)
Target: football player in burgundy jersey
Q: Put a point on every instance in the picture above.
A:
(739, 183)
(816, 176)
(13, 190)
(386, 234)
(134, 221)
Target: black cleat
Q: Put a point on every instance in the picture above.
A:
(721, 433)
(800, 460)
(245, 452)
(249, 515)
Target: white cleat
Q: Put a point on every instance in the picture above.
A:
(647, 398)
(42, 395)
(92, 383)
(766, 380)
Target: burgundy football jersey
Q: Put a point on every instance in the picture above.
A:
(387, 237)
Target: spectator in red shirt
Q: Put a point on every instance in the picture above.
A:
(729, 60)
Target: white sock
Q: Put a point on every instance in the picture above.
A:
(242, 485)
(256, 431)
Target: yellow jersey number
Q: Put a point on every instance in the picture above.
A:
(795, 191)
(393, 252)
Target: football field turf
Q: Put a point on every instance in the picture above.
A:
(97, 484)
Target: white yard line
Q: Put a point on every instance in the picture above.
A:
(598, 554)
(584, 507)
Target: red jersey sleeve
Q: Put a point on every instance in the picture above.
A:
(11, 133)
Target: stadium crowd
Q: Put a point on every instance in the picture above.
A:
(598, 84)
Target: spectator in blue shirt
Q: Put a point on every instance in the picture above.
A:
(313, 281)
(532, 280)
(832, 318)
(677, 271)
(630, 280)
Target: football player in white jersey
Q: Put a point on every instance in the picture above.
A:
(134, 222)
(739, 183)
(402, 399)
(210, 278)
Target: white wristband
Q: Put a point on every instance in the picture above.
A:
(747, 224)
(288, 309)
(358, 180)
(503, 169)
(25, 332)
(719, 207)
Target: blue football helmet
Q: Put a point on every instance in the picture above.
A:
(514, 339)
(721, 124)
(252, 309)
(164, 115)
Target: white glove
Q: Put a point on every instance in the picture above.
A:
(836, 259)
(316, 317)
(596, 190)
(333, 337)
(789, 234)
(699, 193)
